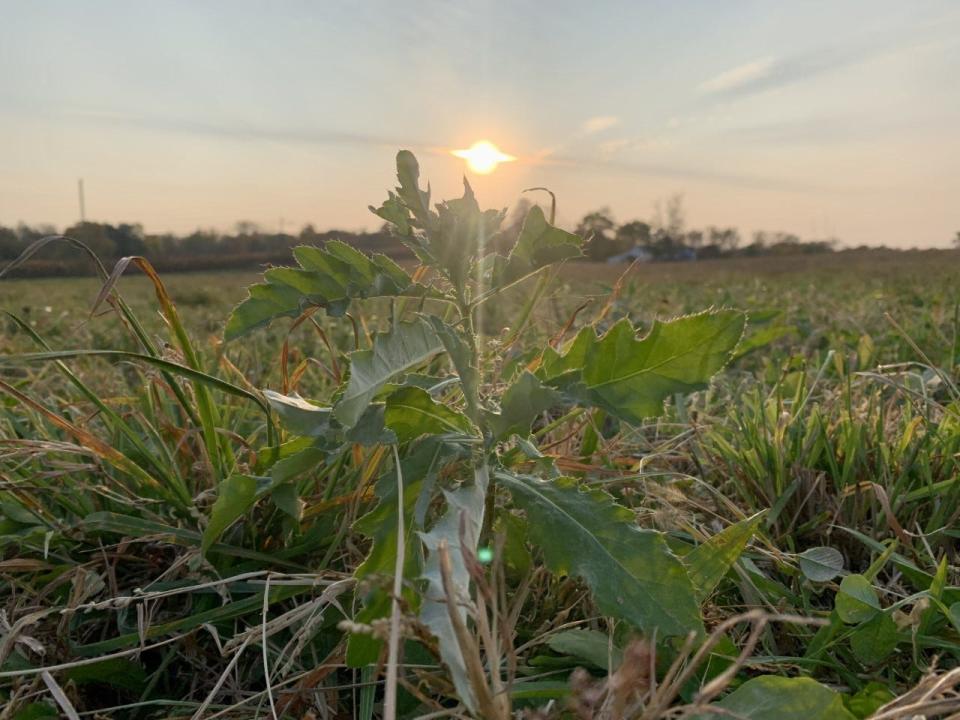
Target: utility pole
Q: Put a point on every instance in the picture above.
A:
(83, 207)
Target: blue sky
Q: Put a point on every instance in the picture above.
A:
(819, 118)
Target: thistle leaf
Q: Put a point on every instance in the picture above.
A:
(328, 278)
(778, 698)
(403, 348)
(411, 412)
(631, 572)
(526, 398)
(539, 244)
(631, 378)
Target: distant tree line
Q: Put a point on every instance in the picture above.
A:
(664, 237)
(246, 247)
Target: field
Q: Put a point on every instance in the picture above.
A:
(168, 551)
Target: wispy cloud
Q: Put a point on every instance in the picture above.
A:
(769, 72)
(288, 135)
(740, 77)
(600, 123)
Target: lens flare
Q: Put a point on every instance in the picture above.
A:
(483, 157)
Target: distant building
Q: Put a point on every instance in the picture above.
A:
(635, 253)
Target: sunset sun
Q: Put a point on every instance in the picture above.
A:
(483, 157)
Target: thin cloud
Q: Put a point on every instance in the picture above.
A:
(600, 123)
(546, 157)
(742, 76)
(287, 135)
(769, 73)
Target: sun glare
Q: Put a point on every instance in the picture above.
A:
(483, 157)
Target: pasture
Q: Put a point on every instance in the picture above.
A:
(174, 548)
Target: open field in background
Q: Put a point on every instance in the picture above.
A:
(839, 417)
(62, 305)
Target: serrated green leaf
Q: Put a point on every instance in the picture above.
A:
(328, 277)
(411, 412)
(872, 641)
(631, 572)
(526, 398)
(538, 245)
(461, 234)
(710, 561)
(394, 212)
(631, 378)
(856, 600)
(574, 355)
(403, 348)
(460, 355)
(235, 495)
(820, 564)
(778, 698)
(408, 175)
(264, 303)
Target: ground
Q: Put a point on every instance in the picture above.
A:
(838, 419)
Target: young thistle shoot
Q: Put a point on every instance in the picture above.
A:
(456, 448)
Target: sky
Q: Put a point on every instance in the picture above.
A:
(823, 119)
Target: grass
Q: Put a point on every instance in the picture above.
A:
(840, 420)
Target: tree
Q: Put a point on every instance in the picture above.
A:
(29, 234)
(10, 245)
(956, 240)
(247, 227)
(597, 228)
(664, 245)
(676, 216)
(726, 239)
(96, 236)
(634, 234)
(200, 242)
(672, 218)
(669, 220)
(127, 238)
(694, 239)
